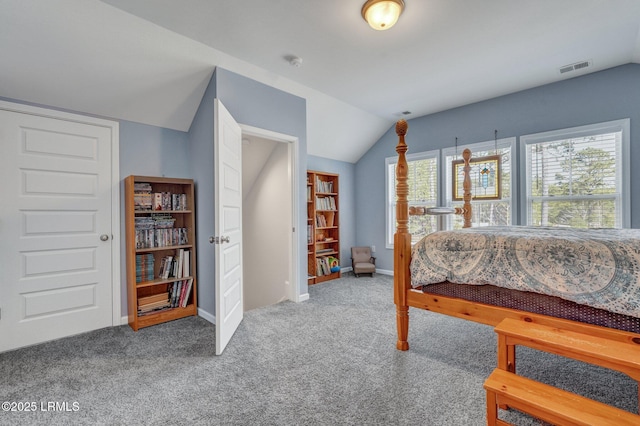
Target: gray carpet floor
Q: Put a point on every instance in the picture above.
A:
(328, 361)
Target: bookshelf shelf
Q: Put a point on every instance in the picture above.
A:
(161, 258)
(160, 282)
(323, 226)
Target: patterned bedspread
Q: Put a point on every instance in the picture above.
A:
(595, 267)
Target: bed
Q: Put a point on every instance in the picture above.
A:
(425, 283)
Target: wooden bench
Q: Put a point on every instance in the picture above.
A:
(548, 403)
(619, 355)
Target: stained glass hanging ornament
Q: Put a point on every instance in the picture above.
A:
(485, 173)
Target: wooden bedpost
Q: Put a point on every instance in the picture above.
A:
(466, 188)
(402, 241)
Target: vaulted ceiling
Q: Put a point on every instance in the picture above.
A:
(149, 61)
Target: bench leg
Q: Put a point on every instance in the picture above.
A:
(506, 358)
(492, 408)
(506, 355)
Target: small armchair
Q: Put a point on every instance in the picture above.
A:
(362, 262)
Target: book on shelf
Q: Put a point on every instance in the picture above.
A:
(177, 286)
(186, 268)
(187, 293)
(178, 272)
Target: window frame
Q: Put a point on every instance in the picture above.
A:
(623, 163)
(390, 188)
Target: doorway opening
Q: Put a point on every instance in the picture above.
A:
(269, 217)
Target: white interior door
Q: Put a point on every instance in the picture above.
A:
(228, 225)
(55, 228)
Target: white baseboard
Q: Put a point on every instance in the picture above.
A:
(206, 315)
(303, 297)
(378, 271)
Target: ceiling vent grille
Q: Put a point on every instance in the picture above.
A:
(575, 67)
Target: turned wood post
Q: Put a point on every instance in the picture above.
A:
(402, 241)
(466, 188)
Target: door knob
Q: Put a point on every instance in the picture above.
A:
(219, 240)
(104, 237)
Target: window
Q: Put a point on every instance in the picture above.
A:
(578, 177)
(484, 212)
(423, 191)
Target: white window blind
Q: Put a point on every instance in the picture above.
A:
(576, 178)
(423, 191)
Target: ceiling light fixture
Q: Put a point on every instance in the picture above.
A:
(382, 14)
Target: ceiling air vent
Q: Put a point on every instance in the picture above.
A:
(575, 67)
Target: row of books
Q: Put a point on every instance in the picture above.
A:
(326, 203)
(179, 291)
(324, 186)
(177, 297)
(149, 238)
(321, 221)
(153, 303)
(155, 221)
(325, 264)
(178, 266)
(145, 200)
(144, 267)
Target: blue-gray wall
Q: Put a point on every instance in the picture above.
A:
(148, 151)
(254, 104)
(346, 199)
(607, 95)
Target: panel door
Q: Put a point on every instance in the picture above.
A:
(228, 225)
(55, 228)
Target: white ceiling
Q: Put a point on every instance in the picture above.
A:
(149, 61)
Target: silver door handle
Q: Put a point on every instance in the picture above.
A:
(219, 240)
(104, 237)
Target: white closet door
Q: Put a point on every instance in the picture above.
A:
(55, 228)
(228, 225)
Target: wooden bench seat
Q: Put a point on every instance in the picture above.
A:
(548, 403)
(623, 356)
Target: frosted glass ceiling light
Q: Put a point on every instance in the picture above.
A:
(382, 14)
